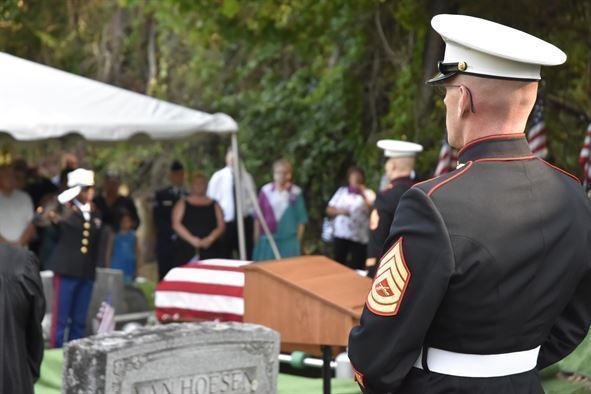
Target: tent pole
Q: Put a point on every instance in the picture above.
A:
(259, 214)
(238, 195)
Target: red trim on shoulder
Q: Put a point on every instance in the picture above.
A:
(358, 376)
(530, 157)
(428, 180)
(492, 137)
(561, 170)
(451, 178)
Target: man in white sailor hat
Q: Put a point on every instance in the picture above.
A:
(486, 276)
(399, 168)
(74, 259)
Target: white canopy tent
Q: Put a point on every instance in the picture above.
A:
(38, 102)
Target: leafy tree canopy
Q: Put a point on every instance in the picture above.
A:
(317, 82)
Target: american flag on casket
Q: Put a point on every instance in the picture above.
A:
(202, 290)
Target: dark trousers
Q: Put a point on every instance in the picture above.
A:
(230, 238)
(422, 382)
(70, 309)
(166, 256)
(350, 253)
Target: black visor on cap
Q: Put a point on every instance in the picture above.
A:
(446, 71)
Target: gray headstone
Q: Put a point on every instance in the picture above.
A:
(189, 358)
(108, 284)
(47, 282)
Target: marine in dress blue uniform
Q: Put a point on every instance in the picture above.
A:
(74, 259)
(486, 275)
(399, 169)
(164, 201)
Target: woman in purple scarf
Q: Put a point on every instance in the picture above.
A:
(284, 212)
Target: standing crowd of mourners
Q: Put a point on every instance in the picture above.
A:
(201, 223)
(75, 221)
(78, 220)
(69, 230)
(73, 229)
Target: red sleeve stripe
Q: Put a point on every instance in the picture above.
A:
(561, 170)
(56, 300)
(358, 376)
(430, 192)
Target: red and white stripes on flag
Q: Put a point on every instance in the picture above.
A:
(448, 159)
(536, 135)
(585, 159)
(206, 290)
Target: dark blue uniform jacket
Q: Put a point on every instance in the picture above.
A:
(491, 258)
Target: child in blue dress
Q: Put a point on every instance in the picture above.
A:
(124, 248)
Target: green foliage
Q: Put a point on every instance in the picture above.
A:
(317, 82)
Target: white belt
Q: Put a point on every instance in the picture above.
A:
(479, 365)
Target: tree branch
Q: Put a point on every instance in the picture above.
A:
(569, 108)
(391, 54)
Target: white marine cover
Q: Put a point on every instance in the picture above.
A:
(487, 48)
(40, 102)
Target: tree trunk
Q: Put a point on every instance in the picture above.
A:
(433, 53)
(152, 65)
(110, 67)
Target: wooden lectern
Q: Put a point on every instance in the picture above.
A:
(309, 300)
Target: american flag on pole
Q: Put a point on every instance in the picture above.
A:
(585, 159)
(448, 159)
(536, 135)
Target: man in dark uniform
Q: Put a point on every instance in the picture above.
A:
(486, 275)
(399, 169)
(75, 257)
(164, 201)
(22, 306)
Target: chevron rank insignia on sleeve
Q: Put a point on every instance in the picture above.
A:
(390, 282)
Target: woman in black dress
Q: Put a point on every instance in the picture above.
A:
(199, 223)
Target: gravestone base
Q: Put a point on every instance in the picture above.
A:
(189, 358)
